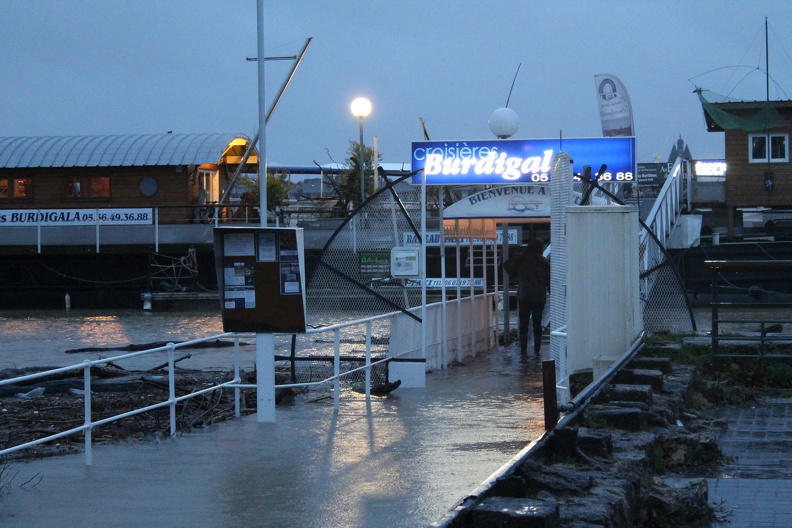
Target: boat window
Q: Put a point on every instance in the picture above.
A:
(86, 188)
(16, 189)
(758, 147)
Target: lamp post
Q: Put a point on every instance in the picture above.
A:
(361, 107)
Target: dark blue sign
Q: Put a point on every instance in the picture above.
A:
(519, 161)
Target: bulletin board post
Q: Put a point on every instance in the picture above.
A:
(261, 278)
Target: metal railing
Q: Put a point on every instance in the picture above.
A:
(155, 226)
(86, 366)
(671, 201)
(719, 270)
(477, 336)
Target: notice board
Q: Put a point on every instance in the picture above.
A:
(261, 278)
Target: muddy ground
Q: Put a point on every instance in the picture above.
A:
(25, 417)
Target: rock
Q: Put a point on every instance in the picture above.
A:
(629, 418)
(498, 512)
(564, 442)
(35, 393)
(556, 478)
(640, 377)
(683, 504)
(633, 393)
(663, 364)
(595, 442)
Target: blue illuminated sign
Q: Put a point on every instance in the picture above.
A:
(519, 161)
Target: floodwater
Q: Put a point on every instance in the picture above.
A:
(41, 338)
(398, 461)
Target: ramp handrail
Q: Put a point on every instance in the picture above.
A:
(668, 206)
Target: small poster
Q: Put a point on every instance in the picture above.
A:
(239, 274)
(405, 262)
(239, 299)
(290, 278)
(239, 284)
(238, 245)
(267, 247)
(374, 264)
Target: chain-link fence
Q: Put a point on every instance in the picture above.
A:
(351, 280)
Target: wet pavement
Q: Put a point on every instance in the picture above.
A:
(755, 486)
(398, 461)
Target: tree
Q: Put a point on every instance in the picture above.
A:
(278, 187)
(347, 184)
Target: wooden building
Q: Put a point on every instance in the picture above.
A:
(757, 153)
(86, 214)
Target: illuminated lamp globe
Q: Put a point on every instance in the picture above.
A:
(504, 122)
(361, 107)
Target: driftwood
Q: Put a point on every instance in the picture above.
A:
(165, 365)
(217, 343)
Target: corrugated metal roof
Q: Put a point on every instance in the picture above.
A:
(113, 151)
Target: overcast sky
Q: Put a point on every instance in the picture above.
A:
(97, 67)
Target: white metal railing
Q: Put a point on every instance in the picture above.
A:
(105, 226)
(671, 199)
(476, 336)
(662, 218)
(477, 331)
(562, 382)
(89, 424)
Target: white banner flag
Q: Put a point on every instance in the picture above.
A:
(614, 106)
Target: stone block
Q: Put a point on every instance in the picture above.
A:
(625, 418)
(663, 364)
(649, 377)
(658, 349)
(497, 512)
(595, 442)
(631, 393)
(640, 377)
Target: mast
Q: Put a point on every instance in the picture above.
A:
(767, 66)
(769, 182)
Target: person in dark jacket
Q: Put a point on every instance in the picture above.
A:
(532, 270)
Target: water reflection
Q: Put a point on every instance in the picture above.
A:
(40, 338)
(398, 461)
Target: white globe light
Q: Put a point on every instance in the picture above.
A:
(504, 122)
(361, 107)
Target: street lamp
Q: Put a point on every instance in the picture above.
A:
(504, 122)
(361, 107)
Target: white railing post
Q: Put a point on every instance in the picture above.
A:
(172, 387)
(337, 371)
(237, 411)
(368, 360)
(38, 230)
(265, 377)
(156, 229)
(88, 418)
(472, 314)
(96, 215)
(459, 354)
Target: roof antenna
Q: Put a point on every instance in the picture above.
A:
(423, 125)
(512, 85)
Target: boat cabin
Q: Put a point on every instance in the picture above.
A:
(88, 190)
(757, 153)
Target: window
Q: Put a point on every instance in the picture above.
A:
(778, 148)
(87, 188)
(18, 189)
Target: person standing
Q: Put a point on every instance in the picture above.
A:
(532, 270)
